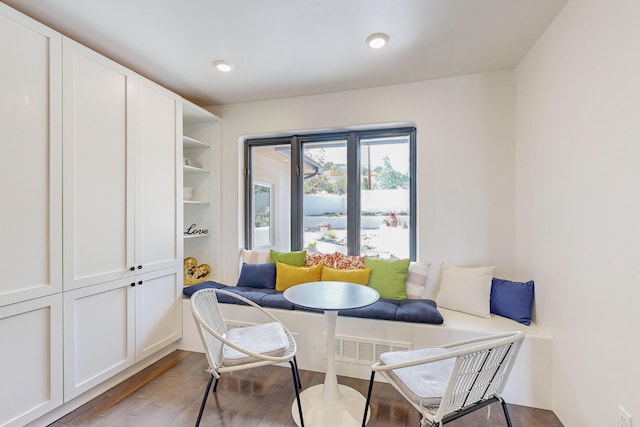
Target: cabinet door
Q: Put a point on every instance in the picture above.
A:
(31, 355)
(98, 195)
(31, 153)
(154, 127)
(99, 338)
(158, 311)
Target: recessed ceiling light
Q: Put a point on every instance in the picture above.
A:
(377, 40)
(223, 66)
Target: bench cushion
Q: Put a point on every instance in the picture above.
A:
(426, 383)
(409, 310)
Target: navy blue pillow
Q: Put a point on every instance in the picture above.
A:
(261, 276)
(512, 299)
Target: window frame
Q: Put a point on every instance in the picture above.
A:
(353, 138)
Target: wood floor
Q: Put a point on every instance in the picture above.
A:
(169, 392)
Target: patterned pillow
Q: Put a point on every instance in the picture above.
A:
(349, 262)
(417, 279)
(315, 258)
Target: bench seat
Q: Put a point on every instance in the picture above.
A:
(360, 340)
(410, 310)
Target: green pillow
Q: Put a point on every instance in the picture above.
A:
(388, 276)
(291, 258)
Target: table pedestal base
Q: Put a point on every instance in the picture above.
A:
(346, 413)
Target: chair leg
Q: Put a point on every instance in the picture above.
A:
(295, 362)
(295, 387)
(204, 399)
(506, 412)
(215, 386)
(366, 405)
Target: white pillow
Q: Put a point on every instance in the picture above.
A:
(417, 279)
(256, 257)
(466, 289)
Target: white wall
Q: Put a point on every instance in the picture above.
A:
(465, 127)
(578, 203)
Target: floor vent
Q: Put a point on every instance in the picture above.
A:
(364, 351)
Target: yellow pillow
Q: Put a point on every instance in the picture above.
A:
(360, 276)
(289, 275)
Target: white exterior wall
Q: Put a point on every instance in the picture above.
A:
(578, 205)
(465, 160)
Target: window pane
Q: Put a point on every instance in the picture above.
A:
(262, 215)
(325, 196)
(384, 198)
(271, 169)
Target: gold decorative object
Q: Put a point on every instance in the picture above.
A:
(194, 273)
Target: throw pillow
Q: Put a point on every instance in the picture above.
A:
(466, 289)
(417, 279)
(360, 276)
(261, 276)
(255, 257)
(315, 258)
(349, 262)
(292, 258)
(290, 275)
(512, 299)
(388, 276)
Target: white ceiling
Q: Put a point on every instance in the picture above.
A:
(284, 48)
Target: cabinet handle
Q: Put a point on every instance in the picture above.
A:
(139, 267)
(132, 284)
(132, 268)
(140, 282)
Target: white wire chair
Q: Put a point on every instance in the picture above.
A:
(449, 382)
(229, 350)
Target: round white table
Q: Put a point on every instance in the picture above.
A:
(330, 404)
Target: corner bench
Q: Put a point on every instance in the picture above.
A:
(394, 325)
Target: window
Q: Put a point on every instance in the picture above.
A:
(262, 216)
(352, 192)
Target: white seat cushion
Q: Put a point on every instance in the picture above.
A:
(269, 339)
(427, 382)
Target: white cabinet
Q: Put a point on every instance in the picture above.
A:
(158, 177)
(31, 218)
(123, 219)
(121, 175)
(99, 334)
(30, 149)
(90, 291)
(122, 235)
(31, 354)
(158, 310)
(201, 174)
(110, 326)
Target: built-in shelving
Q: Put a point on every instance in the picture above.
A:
(201, 146)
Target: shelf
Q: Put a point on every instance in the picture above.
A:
(192, 169)
(195, 236)
(188, 142)
(195, 202)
